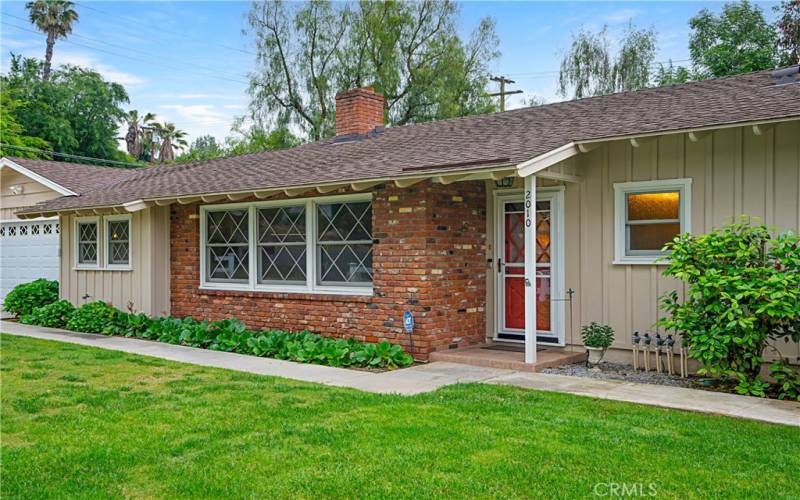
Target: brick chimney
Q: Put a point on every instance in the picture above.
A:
(358, 111)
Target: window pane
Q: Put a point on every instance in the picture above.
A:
(227, 263)
(345, 263)
(649, 206)
(284, 263)
(227, 249)
(282, 225)
(349, 225)
(229, 226)
(118, 242)
(87, 243)
(345, 221)
(651, 237)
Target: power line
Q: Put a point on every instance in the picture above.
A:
(162, 30)
(66, 155)
(146, 53)
(152, 63)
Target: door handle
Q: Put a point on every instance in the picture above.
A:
(499, 265)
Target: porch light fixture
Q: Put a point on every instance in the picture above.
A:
(505, 182)
(17, 189)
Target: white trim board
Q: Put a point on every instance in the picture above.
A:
(58, 188)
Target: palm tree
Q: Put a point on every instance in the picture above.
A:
(172, 138)
(54, 18)
(136, 137)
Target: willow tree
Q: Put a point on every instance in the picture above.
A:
(409, 51)
(588, 68)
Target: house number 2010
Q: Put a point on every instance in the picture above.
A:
(528, 221)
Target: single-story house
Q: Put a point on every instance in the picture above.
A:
(29, 249)
(518, 226)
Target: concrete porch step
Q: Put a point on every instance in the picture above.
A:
(509, 360)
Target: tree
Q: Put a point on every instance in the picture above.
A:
(204, 147)
(742, 296)
(256, 138)
(135, 136)
(55, 19)
(788, 25)
(171, 139)
(409, 51)
(672, 75)
(76, 111)
(588, 68)
(737, 41)
(13, 134)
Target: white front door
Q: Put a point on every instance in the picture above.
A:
(510, 266)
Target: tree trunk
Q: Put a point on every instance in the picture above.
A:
(48, 55)
(131, 140)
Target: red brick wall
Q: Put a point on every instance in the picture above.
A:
(429, 258)
(358, 111)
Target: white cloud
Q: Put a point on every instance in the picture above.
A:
(87, 61)
(199, 114)
(621, 15)
(200, 95)
(233, 106)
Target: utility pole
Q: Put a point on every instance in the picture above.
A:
(503, 81)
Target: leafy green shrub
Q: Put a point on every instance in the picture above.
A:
(787, 379)
(53, 315)
(743, 293)
(231, 335)
(23, 299)
(595, 335)
(96, 317)
(383, 355)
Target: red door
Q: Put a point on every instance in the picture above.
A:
(512, 269)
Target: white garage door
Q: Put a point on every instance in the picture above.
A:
(28, 250)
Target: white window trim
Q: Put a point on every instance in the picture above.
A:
(106, 242)
(311, 286)
(77, 245)
(621, 189)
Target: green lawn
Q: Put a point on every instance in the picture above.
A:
(85, 422)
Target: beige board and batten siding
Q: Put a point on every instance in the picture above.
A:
(32, 193)
(734, 172)
(145, 287)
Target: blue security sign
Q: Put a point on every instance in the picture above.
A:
(408, 321)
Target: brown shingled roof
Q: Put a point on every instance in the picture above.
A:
(76, 177)
(514, 136)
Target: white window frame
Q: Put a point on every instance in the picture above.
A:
(76, 233)
(310, 286)
(107, 242)
(621, 190)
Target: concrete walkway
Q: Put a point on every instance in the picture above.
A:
(428, 377)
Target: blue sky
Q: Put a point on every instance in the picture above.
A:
(187, 61)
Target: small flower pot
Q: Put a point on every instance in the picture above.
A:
(595, 355)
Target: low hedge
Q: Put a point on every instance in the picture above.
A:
(24, 298)
(229, 335)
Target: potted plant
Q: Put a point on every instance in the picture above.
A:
(597, 338)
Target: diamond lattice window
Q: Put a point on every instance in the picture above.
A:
(87, 243)
(282, 245)
(118, 234)
(227, 246)
(344, 243)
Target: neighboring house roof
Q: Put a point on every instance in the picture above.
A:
(506, 138)
(69, 179)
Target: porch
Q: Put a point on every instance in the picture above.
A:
(510, 356)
